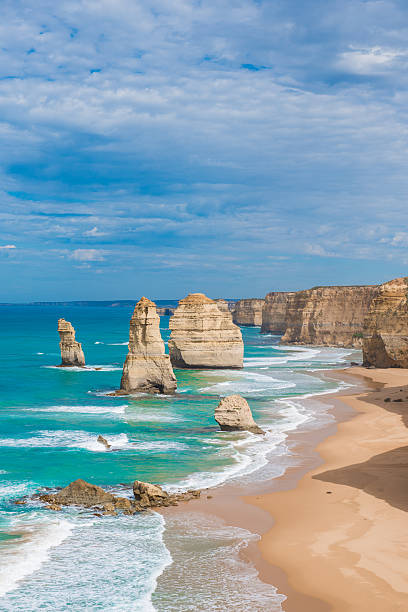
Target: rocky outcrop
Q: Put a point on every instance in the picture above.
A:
(103, 441)
(248, 312)
(330, 316)
(203, 336)
(146, 495)
(274, 312)
(234, 414)
(147, 368)
(165, 311)
(71, 350)
(385, 342)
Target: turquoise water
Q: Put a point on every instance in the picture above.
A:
(50, 419)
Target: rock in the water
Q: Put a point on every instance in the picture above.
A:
(71, 350)
(148, 495)
(147, 368)
(248, 312)
(203, 336)
(234, 414)
(81, 493)
(103, 441)
(385, 341)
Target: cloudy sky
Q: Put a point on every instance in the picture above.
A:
(228, 146)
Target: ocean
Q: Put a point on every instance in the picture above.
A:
(50, 419)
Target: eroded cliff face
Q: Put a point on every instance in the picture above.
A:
(248, 312)
(274, 312)
(385, 343)
(147, 368)
(71, 350)
(331, 316)
(203, 336)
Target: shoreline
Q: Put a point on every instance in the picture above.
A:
(336, 542)
(238, 504)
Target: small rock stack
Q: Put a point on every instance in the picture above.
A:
(71, 350)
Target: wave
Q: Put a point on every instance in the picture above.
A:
(87, 368)
(106, 410)
(118, 343)
(25, 556)
(68, 439)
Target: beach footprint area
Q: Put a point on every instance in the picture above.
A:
(50, 420)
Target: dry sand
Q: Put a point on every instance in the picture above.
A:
(341, 535)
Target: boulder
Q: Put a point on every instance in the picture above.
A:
(103, 441)
(234, 414)
(71, 350)
(203, 336)
(147, 368)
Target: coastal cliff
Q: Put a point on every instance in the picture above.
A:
(248, 312)
(274, 312)
(203, 336)
(147, 368)
(331, 316)
(385, 343)
(71, 350)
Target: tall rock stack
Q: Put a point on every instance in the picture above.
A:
(147, 368)
(71, 350)
(385, 342)
(248, 312)
(203, 336)
(330, 316)
(274, 312)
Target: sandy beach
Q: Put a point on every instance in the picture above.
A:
(341, 534)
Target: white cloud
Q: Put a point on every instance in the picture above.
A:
(8, 246)
(87, 255)
(94, 232)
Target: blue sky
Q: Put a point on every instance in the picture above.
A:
(226, 146)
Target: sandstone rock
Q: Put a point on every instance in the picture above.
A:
(385, 342)
(71, 350)
(149, 495)
(80, 493)
(274, 312)
(165, 311)
(234, 414)
(203, 336)
(330, 316)
(248, 312)
(102, 440)
(147, 368)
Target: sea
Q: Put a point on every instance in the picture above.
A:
(50, 419)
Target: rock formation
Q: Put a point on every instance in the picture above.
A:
(248, 312)
(103, 441)
(147, 368)
(71, 350)
(146, 495)
(274, 312)
(165, 311)
(385, 342)
(234, 414)
(203, 336)
(331, 316)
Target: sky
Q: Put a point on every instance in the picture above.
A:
(232, 147)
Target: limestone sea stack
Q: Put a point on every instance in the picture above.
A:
(71, 350)
(330, 316)
(385, 342)
(248, 312)
(274, 312)
(147, 368)
(234, 414)
(203, 336)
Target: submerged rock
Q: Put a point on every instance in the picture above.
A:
(234, 414)
(71, 350)
(103, 441)
(203, 336)
(147, 368)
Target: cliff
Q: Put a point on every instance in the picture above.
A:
(147, 368)
(248, 312)
(331, 316)
(71, 350)
(274, 312)
(385, 343)
(203, 336)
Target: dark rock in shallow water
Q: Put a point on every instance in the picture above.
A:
(103, 441)
(146, 495)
